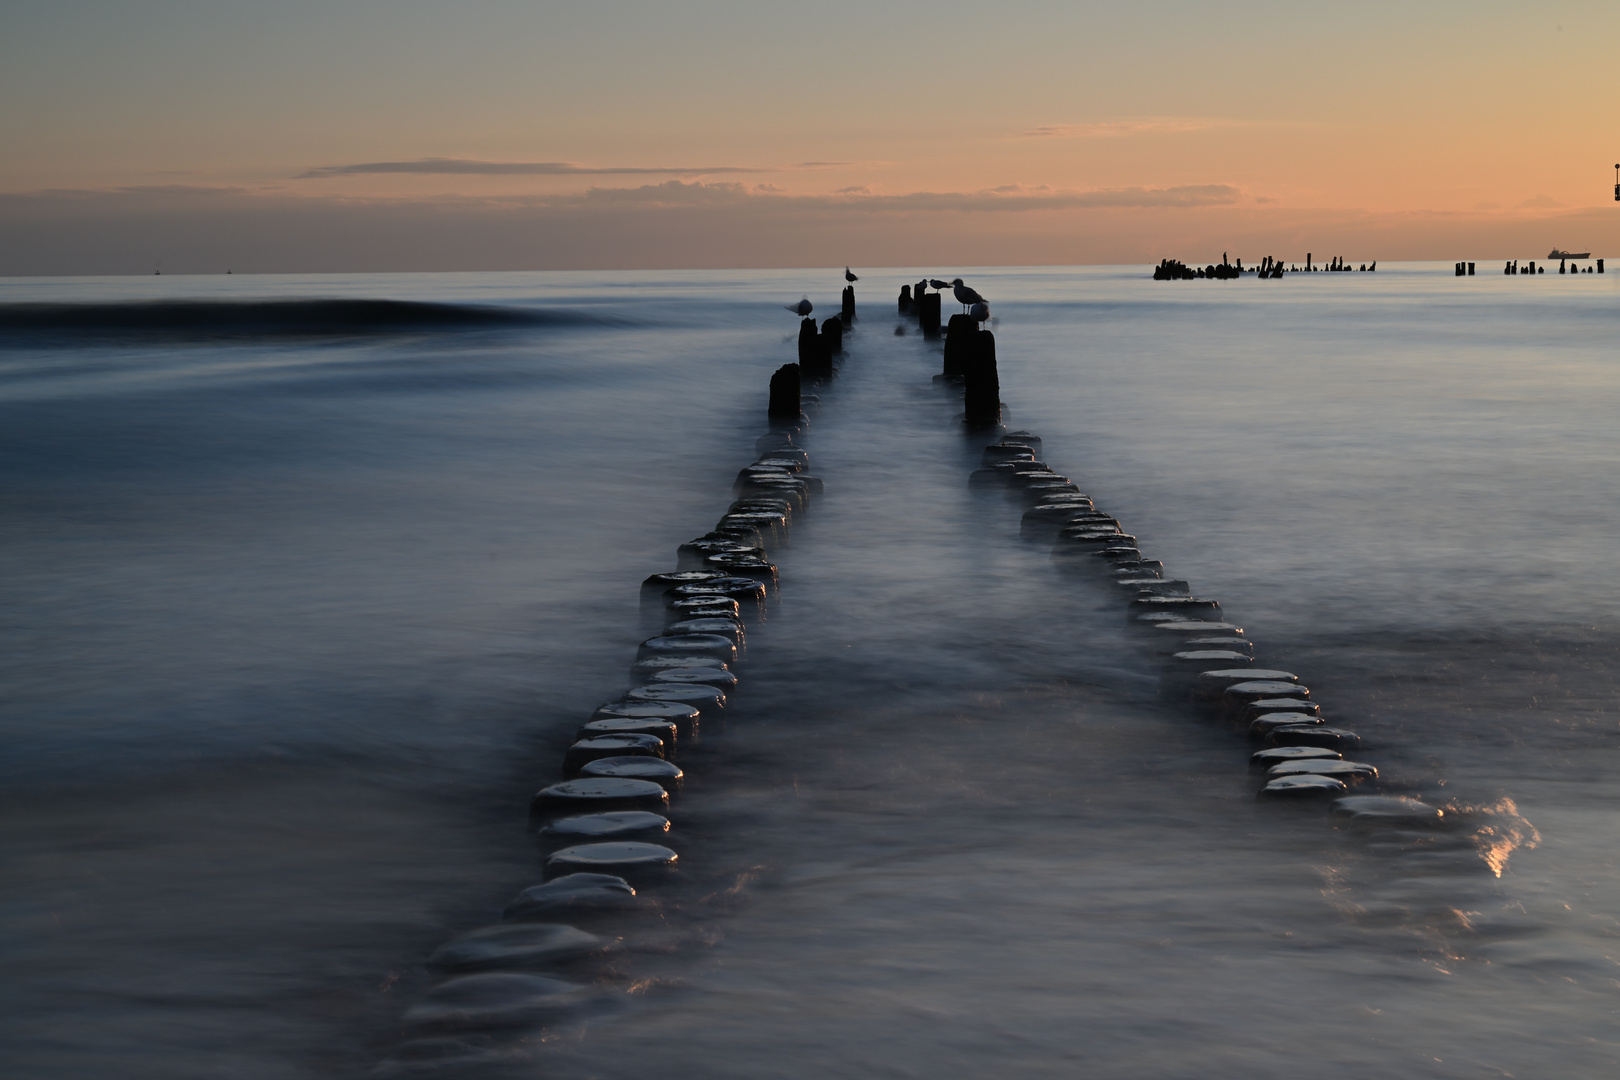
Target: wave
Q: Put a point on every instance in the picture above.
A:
(216, 319)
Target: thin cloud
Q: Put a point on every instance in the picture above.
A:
(676, 193)
(466, 167)
(1113, 129)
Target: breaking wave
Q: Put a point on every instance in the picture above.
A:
(217, 319)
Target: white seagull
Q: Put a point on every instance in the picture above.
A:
(964, 295)
(803, 308)
(849, 277)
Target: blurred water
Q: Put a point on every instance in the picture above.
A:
(298, 611)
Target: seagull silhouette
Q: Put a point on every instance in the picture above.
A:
(803, 308)
(938, 284)
(849, 277)
(964, 295)
(980, 311)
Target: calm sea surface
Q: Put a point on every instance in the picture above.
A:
(300, 602)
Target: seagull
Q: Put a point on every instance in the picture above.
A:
(849, 277)
(964, 295)
(938, 284)
(980, 311)
(803, 308)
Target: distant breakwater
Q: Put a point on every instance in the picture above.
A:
(1268, 268)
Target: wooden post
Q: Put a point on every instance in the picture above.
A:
(981, 390)
(813, 364)
(848, 312)
(832, 332)
(928, 315)
(785, 404)
(958, 345)
(905, 299)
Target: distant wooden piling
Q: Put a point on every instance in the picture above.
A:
(832, 332)
(814, 362)
(905, 300)
(785, 389)
(958, 345)
(928, 315)
(848, 312)
(1600, 266)
(981, 388)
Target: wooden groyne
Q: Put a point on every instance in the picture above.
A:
(1565, 266)
(606, 825)
(1207, 664)
(1268, 269)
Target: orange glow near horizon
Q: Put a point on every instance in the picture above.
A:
(1053, 132)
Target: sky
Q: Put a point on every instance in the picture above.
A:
(379, 135)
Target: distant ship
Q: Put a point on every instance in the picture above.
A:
(1556, 254)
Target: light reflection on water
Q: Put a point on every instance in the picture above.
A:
(303, 626)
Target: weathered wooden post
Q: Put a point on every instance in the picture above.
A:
(848, 312)
(814, 361)
(905, 300)
(785, 403)
(928, 315)
(981, 389)
(958, 333)
(832, 333)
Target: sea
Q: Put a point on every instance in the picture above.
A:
(306, 583)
